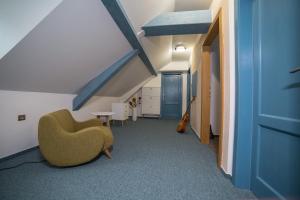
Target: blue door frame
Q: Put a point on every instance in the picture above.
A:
(241, 175)
(162, 110)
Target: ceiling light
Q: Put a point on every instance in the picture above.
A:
(180, 48)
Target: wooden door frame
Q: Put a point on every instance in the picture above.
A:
(214, 31)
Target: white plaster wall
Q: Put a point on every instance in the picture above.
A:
(195, 62)
(16, 136)
(229, 81)
(229, 85)
(18, 18)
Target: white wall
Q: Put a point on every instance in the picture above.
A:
(16, 136)
(18, 18)
(229, 81)
(195, 62)
(229, 78)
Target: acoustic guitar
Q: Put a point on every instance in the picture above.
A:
(181, 127)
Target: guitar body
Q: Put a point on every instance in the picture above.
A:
(181, 127)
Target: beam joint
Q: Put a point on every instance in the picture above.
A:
(119, 16)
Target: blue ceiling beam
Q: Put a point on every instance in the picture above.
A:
(118, 14)
(98, 82)
(179, 23)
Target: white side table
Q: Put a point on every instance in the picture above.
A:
(103, 116)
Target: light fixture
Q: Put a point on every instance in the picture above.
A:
(180, 48)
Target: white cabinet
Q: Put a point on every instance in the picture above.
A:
(151, 100)
(121, 111)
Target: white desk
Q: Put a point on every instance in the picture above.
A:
(103, 116)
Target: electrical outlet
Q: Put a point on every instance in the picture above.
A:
(21, 117)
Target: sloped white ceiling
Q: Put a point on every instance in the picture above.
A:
(130, 76)
(18, 18)
(75, 43)
(158, 49)
(186, 5)
(78, 41)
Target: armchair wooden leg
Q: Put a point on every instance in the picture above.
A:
(107, 153)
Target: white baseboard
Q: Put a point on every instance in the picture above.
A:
(196, 132)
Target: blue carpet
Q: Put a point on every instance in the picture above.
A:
(150, 162)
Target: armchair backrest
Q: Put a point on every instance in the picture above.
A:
(65, 119)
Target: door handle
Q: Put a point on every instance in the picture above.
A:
(294, 70)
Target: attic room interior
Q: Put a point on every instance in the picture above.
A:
(144, 99)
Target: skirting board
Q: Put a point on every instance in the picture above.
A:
(228, 176)
(151, 116)
(196, 132)
(18, 154)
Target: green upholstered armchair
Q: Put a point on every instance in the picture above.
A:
(65, 142)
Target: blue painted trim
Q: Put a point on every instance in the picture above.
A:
(98, 82)
(179, 23)
(18, 154)
(244, 94)
(181, 29)
(118, 14)
(162, 92)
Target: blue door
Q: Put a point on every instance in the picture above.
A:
(171, 96)
(276, 139)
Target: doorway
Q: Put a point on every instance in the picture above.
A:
(215, 93)
(171, 101)
(213, 43)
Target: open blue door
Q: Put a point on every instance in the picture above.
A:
(276, 139)
(171, 96)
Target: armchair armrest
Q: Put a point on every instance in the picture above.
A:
(87, 124)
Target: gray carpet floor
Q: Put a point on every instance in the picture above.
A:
(150, 162)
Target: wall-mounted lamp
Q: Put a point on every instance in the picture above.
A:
(180, 48)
